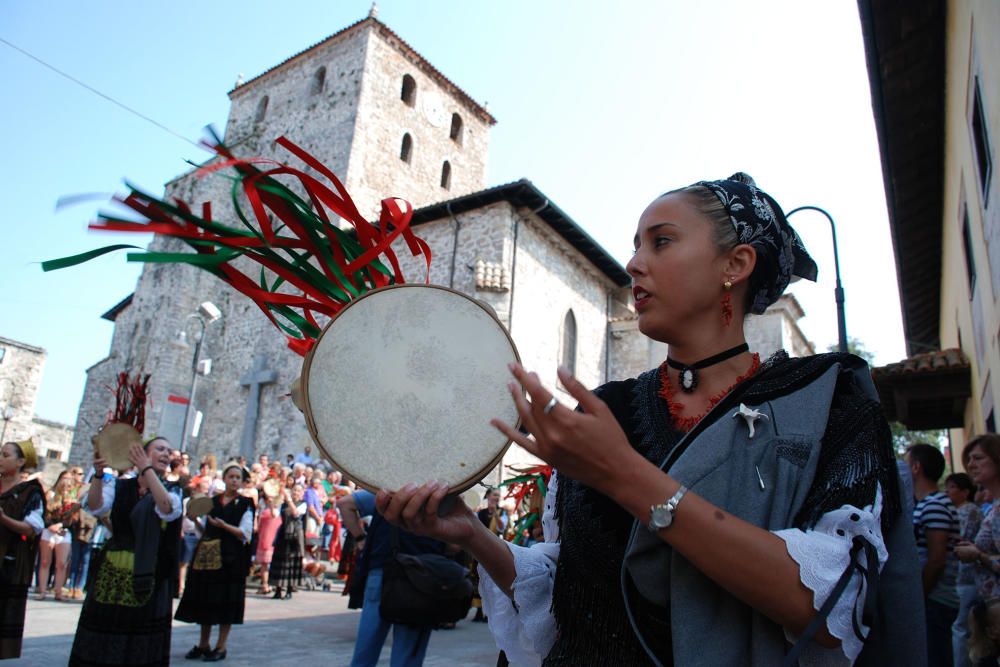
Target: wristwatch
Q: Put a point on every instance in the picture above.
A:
(661, 516)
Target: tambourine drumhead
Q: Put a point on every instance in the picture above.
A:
(199, 506)
(402, 384)
(271, 487)
(113, 443)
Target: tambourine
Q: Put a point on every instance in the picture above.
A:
(401, 386)
(199, 506)
(113, 443)
(271, 487)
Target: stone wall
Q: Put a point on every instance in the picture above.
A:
(53, 440)
(312, 99)
(376, 169)
(20, 377)
(21, 372)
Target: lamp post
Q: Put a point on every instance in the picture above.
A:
(207, 313)
(838, 290)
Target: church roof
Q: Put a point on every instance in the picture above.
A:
(523, 193)
(116, 309)
(403, 47)
(23, 346)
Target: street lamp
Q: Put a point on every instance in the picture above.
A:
(838, 290)
(207, 313)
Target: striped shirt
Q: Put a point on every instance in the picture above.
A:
(936, 512)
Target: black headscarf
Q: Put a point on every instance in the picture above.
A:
(759, 222)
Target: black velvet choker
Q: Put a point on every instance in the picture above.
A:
(689, 372)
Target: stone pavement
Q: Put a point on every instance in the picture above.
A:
(310, 626)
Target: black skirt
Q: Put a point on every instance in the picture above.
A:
(13, 598)
(115, 628)
(286, 565)
(214, 597)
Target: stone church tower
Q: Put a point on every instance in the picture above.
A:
(388, 124)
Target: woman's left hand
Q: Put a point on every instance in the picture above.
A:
(215, 521)
(588, 446)
(137, 455)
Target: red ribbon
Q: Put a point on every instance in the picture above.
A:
(376, 240)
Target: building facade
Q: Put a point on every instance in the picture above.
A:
(934, 69)
(387, 122)
(22, 368)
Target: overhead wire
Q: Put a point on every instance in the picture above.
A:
(101, 94)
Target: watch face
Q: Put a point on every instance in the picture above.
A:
(661, 516)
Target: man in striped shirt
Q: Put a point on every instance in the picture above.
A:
(936, 528)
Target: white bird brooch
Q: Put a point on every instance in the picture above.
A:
(750, 416)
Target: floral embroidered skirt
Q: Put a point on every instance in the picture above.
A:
(116, 627)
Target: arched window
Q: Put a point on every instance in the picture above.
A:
(446, 175)
(568, 356)
(456, 128)
(406, 152)
(319, 78)
(261, 110)
(409, 94)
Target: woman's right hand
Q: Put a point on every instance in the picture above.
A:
(415, 509)
(966, 552)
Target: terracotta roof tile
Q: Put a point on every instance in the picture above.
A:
(928, 362)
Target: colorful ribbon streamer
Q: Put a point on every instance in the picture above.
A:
(317, 266)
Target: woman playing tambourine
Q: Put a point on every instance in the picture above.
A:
(127, 613)
(703, 512)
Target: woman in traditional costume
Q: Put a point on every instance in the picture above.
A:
(289, 544)
(215, 591)
(704, 511)
(127, 613)
(62, 511)
(267, 530)
(22, 509)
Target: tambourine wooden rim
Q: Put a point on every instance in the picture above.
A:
(465, 483)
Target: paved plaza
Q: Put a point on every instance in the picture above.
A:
(314, 626)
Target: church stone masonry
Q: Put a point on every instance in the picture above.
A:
(558, 291)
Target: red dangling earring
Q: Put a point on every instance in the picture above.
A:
(727, 304)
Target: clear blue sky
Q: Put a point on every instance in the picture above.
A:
(602, 105)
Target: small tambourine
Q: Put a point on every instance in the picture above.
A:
(114, 442)
(199, 506)
(401, 386)
(271, 487)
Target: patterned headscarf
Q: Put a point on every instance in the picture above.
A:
(760, 222)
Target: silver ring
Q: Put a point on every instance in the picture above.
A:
(550, 405)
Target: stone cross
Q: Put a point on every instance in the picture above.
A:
(255, 379)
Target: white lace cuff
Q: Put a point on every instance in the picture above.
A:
(36, 520)
(823, 554)
(524, 628)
